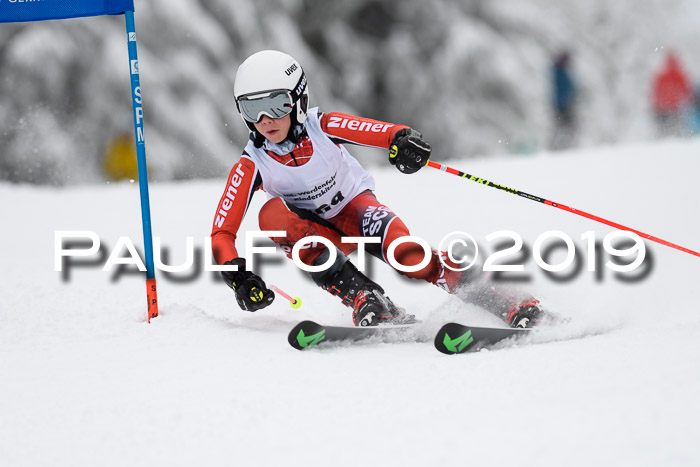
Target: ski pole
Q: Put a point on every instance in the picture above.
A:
(294, 302)
(513, 191)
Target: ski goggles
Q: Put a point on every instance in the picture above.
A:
(274, 104)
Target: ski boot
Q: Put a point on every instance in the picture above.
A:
(518, 309)
(370, 306)
(525, 314)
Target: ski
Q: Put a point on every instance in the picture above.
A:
(454, 338)
(308, 334)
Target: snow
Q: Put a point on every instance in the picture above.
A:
(85, 381)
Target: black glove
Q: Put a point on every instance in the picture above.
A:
(251, 292)
(408, 151)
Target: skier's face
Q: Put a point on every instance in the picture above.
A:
(274, 129)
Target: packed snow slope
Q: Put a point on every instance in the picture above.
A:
(85, 381)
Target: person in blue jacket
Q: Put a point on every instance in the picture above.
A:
(564, 100)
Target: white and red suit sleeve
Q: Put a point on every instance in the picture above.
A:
(344, 128)
(242, 183)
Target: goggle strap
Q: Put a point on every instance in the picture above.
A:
(299, 88)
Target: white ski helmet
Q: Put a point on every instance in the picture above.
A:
(271, 83)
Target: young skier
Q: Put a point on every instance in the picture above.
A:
(315, 187)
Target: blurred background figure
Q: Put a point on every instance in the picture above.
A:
(564, 100)
(119, 161)
(695, 113)
(672, 98)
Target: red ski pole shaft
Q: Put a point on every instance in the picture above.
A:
(513, 191)
(294, 302)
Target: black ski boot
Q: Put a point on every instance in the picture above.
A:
(370, 306)
(525, 314)
(516, 308)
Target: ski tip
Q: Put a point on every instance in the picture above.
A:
(306, 334)
(453, 338)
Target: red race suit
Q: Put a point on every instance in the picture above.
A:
(318, 188)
